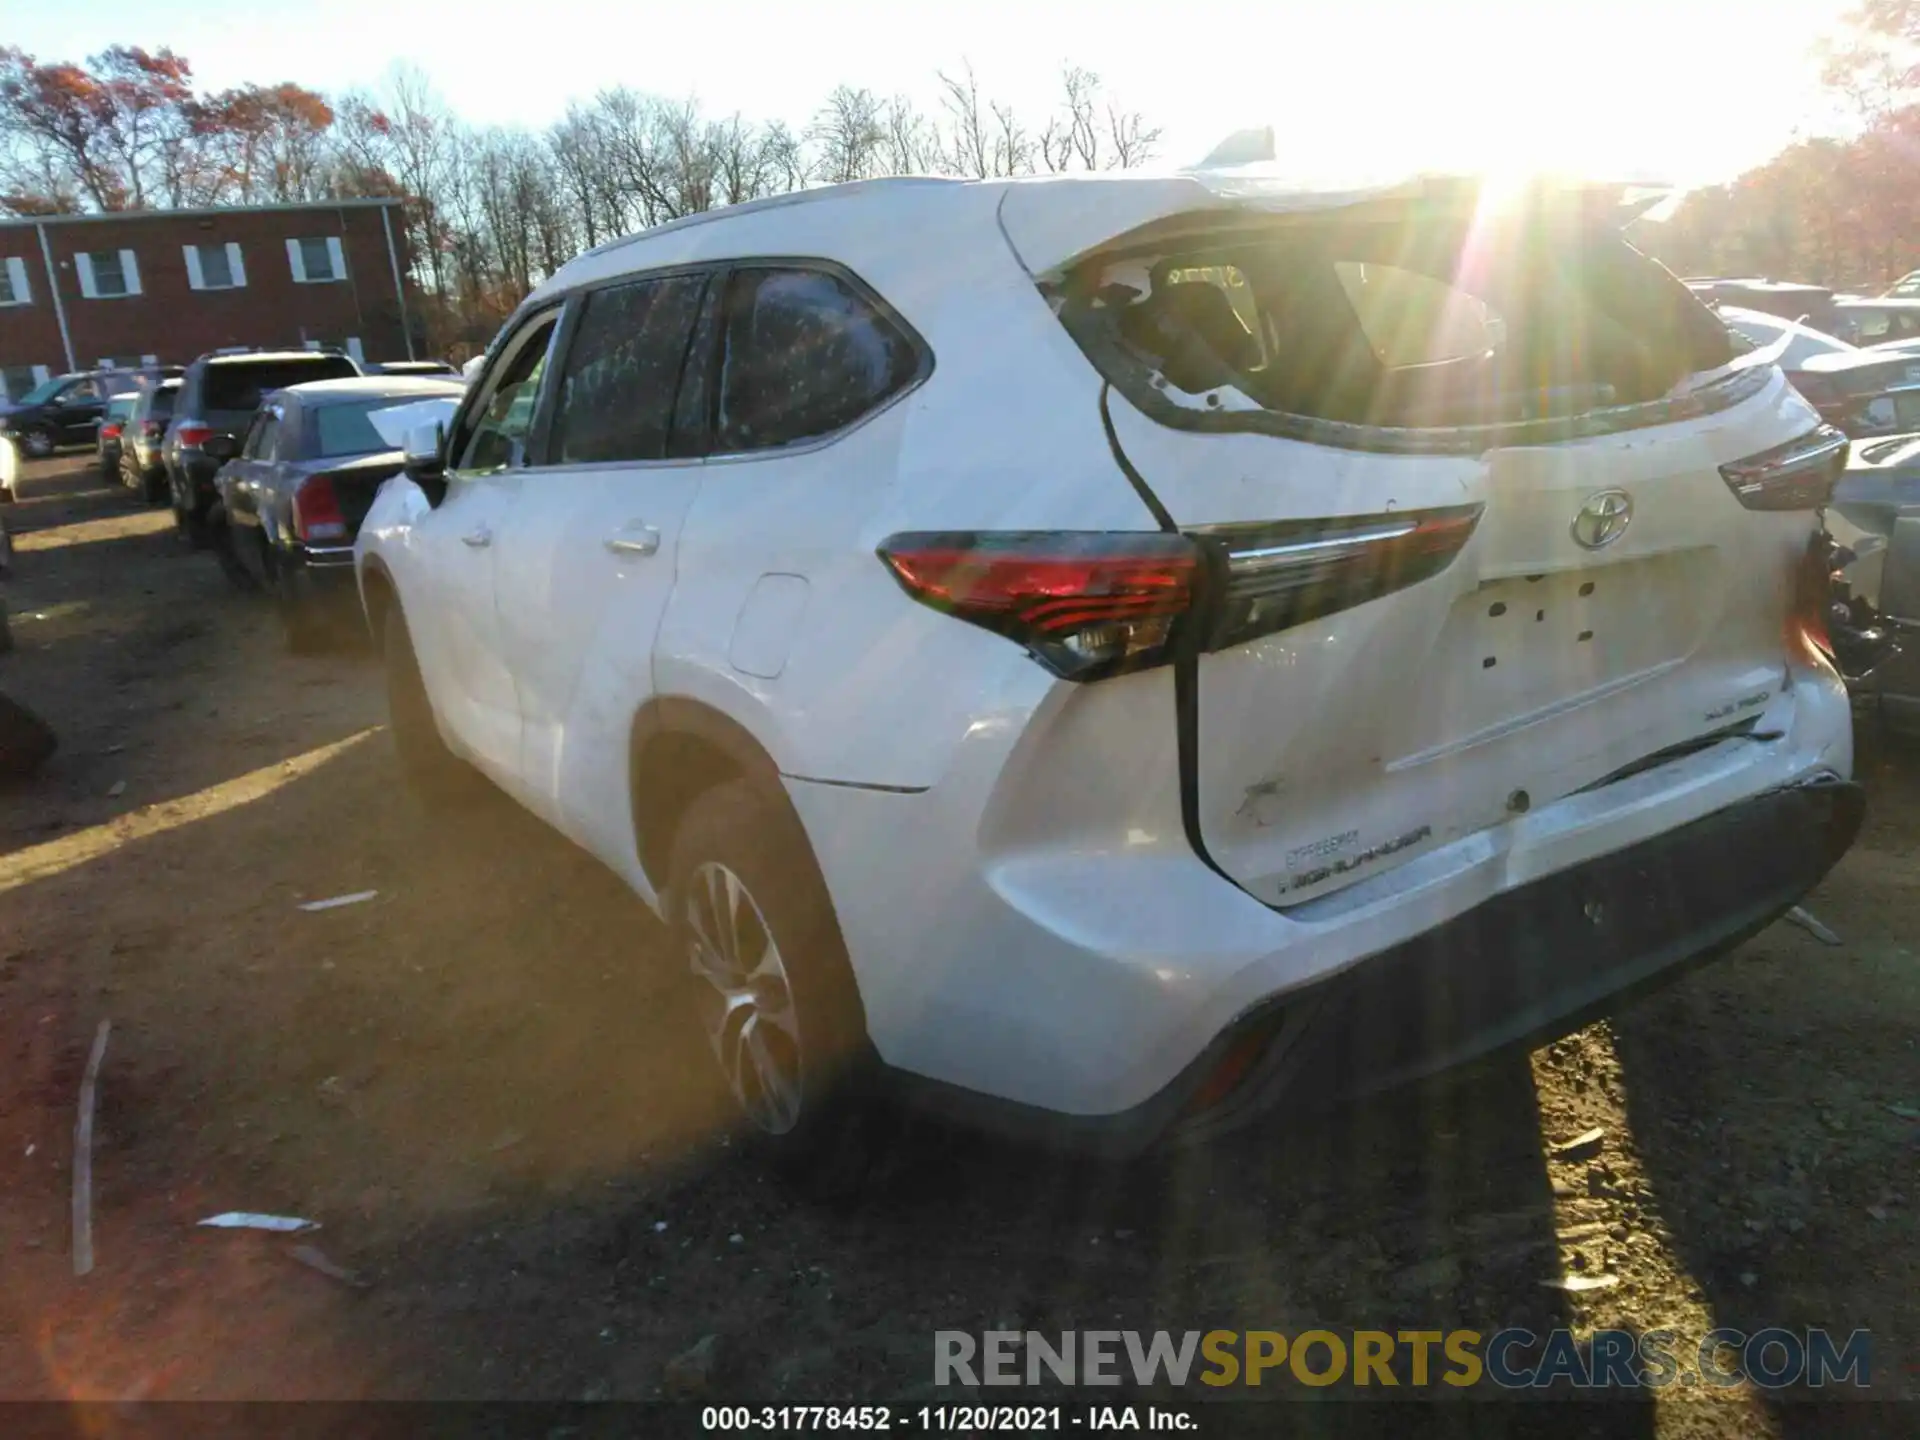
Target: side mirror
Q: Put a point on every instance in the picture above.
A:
(423, 461)
(220, 447)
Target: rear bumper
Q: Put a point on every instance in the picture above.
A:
(1542, 960)
(1523, 967)
(320, 576)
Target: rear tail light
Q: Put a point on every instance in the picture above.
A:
(110, 430)
(194, 433)
(1085, 604)
(1799, 475)
(316, 511)
(154, 429)
(1088, 604)
(1283, 575)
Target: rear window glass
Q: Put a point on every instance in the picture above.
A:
(238, 385)
(161, 401)
(121, 406)
(1413, 319)
(1428, 323)
(345, 429)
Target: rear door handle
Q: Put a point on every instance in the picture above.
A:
(477, 539)
(634, 540)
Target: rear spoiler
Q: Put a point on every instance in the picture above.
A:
(1630, 199)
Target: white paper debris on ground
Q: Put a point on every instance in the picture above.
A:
(247, 1220)
(83, 1155)
(1798, 915)
(116, 790)
(337, 901)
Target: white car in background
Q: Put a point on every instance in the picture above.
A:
(1105, 655)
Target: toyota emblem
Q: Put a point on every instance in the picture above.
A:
(1603, 519)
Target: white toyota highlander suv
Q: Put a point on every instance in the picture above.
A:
(1101, 655)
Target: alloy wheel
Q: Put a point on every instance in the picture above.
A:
(747, 1005)
(37, 443)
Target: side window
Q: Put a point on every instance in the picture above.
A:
(805, 355)
(496, 431)
(1414, 319)
(693, 409)
(617, 386)
(260, 438)
(1870, 326)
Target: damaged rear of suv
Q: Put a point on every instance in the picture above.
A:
(1497, 678)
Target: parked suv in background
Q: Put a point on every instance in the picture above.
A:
(218, 396)
(141, 438)
(1107, 656)
(65, 411)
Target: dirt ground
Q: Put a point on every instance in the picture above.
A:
(476, 1083)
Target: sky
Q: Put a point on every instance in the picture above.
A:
(1687, 91)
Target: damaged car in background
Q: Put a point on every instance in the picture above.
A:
(1313, 638)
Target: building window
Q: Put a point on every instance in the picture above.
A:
(107, 274)
(215, 267)
(317, 259)
(13, 282)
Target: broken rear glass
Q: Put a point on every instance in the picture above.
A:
(1426, 326)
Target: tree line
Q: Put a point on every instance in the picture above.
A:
(490, 211)
(1832, 210)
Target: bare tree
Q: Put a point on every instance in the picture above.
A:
(911, 147)
(969, 141)
(1082, 89)
(1133, 139)
(1012, 145)
(850, 132)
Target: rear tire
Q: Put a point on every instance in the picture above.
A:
(37, 443)
(766, 971)
(153, 488)
(438, 777)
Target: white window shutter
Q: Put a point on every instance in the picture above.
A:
(310, 344)
(130, 268)
(17, 280)
(149, 359)
(353, 349)
(41, 374)
(195, 280)
(293, 259)
(83, 267)
(338, 256)
(236, 265)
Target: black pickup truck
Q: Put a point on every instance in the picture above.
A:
(293, 491)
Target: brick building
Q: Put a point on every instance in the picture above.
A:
(162, 286)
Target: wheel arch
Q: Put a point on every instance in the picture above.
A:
(678, 749)
(378, 595)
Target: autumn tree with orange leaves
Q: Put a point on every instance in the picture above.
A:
(1840, 210)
